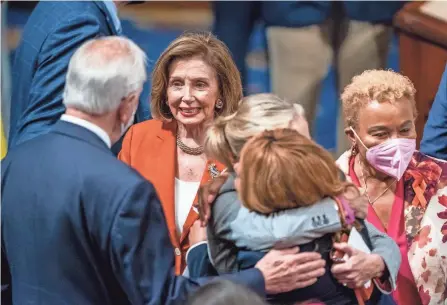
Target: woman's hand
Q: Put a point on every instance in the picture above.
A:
(359, 268)
(197, 233)
(207, 194)
(286, 270)
(358, 203)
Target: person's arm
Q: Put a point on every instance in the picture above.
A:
(283, 229)
(139, 250)
(198, 262)
(381, 265)
(232, 227)
(143, 261)
(209, 191)
(45, 98)
(434, 140)
(222, 250)
(388, 250)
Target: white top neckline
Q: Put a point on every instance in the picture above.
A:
(185, 192)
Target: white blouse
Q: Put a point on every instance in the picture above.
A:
(185, 192)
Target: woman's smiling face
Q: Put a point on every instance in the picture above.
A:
(193, 90)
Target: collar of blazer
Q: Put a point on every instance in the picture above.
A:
(81, 133)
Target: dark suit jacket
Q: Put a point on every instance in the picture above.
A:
(81, 227)
(434, 140)
(51, 35)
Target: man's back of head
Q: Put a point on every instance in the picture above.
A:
(104, 82)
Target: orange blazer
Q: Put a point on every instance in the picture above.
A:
(150, 148)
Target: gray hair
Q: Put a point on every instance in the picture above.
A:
(256, 113)
(102, 72)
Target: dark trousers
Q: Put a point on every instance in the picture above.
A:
(233, 24)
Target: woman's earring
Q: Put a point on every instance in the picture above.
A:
(166, 112)
(354, 150)
(219, 104)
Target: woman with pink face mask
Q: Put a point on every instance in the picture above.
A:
(407, 190)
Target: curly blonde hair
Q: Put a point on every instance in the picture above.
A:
(378, 85)
(214, 53)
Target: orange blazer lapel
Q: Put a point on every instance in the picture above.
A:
(212, 167)
(166, 167)
(159, 168)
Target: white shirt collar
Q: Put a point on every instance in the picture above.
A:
(90, 126)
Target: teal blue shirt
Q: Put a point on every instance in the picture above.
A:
(434, 140)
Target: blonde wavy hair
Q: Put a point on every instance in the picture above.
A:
(282, 169)
(256, 113)
(214, 53)
(379, 85)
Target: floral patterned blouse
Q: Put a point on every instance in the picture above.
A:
(425, 213)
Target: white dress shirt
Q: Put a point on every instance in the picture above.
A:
(90, 126)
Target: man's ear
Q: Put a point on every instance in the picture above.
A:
(125, 109)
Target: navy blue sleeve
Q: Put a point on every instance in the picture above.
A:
(199, 263)
(239, 17)
(434, 140)
(143, 258)
(45, 100)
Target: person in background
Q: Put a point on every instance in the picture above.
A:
(89, 229)
(406, 189)
(239, 17)
(305, 37)
(51, 35)
(434, 139)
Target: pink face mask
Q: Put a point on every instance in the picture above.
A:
(391, 157)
